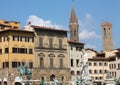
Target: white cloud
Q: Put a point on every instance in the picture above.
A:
(41, 22)
(85, 26)
(85, 34)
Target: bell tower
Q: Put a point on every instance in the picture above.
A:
(73, 26)
(107, 36)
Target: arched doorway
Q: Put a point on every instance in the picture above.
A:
(52, 77)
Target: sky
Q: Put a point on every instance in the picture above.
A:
(56, 13)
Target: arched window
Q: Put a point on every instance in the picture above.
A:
(95, 71)
(90, 71)
(51, 62)
(78, 72)
(100, 71)
(104, 32)
(41, 62)
(61, 56)
(61, 63)
(30, 64)
(90, 64)
(72, 73)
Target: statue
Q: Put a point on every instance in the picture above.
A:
(24, 71)
(79, 81)
(85, 77)
(54, 82)
(84, 64)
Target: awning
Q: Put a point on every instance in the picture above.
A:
(18, 79)
(5, 79)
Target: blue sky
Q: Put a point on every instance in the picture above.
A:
(56, 13)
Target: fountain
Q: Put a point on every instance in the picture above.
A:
(85, 77)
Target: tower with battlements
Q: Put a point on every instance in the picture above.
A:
(107, 36)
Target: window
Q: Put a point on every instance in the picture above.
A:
(78, 72)
(90, 71)
(41, 62)
(0, 39)
(30, 65)
(6, 38)
(100, 64)
(30, 39)
(100, 71)
(105, 64)
(95, 71)
(101, 78)
(61, 63)
(51, 62)
(15, 38)
(15, 64)
(90, 64)
(77, 48)
(5, 64)
(71, 62)
(51, 42)
(40, 42)
(6, 50)
(72, 73)
(0, 51)
(60, 43)
(30, 51)
(96, 78)
(110, 66)
(95, 64)
(104, 33)
(2, 27)
(105, 71)
(114, 65)
(14, 50)
(22, 38)
(22, 50)
(118, 65)
(77, 62)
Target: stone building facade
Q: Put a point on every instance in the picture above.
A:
(16, 49)
(50, 54)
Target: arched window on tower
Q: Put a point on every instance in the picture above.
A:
(104, 33)
(75, 33)
(109, 33)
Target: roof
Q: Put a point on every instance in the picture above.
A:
(75, 42)
(47, 28)
(106, 24)
(91, 50)
(22, 30)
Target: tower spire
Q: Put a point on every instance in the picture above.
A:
(73, 25)
(73, 15)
